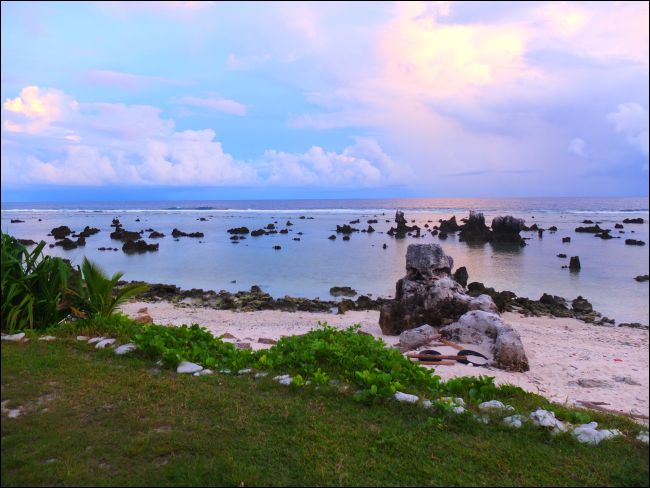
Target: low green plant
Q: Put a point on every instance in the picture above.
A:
(97, 295)
(32, 286)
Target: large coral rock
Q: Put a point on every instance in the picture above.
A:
(487, 329)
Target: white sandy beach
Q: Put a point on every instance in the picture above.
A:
(611, 363)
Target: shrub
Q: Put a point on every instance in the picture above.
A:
(32, 286)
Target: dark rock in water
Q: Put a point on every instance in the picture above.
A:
(345, 229)
(561, 255)
(461, 275)
(582, 305)
(594, 229)
(633, 325)
(17, 221)
(284, 231)
(533, 227)
(202, 219)
(371, 229)
(442, 235)
(277, 248)
(372, 221)
(342, 291)
(302, 217)
(332, 237)
(116, 223)
(587, 221)
(156, 235)
(427, 294)
(138, 246)
(120, 234)
(61, 232)
(178, 233)
(434, 233)
(552, 229)
(270, 227)
(346, 237)
(68, 244)
(402, 228)
(88, 231)
(639, 278)
(633, 221)
(540, 232)
(238, 230)
(574, 263)
(26, 242)
(506, 229)
(296, 238)
(137, 220)
(449, 226)
(256, 289)
(634, 242)
(288, 224)
(604, 234)
(345, 305)
(354, 221)
(384, 246)
(258, 232)
(234, 238)
(475, 230)
(566, 239)
(619, 226)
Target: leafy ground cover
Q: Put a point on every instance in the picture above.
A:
(92, 418)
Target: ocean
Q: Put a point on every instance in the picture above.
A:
(310, 266)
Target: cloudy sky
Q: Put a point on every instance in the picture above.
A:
(106, 100)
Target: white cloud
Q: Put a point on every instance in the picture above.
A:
(49, 138)
(578, 147)
(631, 120)
(216, 104)
(126, 81)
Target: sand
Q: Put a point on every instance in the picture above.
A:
(570, 361)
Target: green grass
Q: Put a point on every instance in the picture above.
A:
(121, 421)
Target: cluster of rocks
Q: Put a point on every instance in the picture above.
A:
(634, 221)
(178, 233)
(428, 295)
(402, 229)
(504, 229)
(252, 300)
(342, 291)
(27, 242)
(131, 240)
(634, 242)
(62, 232)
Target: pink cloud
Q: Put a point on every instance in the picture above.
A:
(216, 104)
(126, 81)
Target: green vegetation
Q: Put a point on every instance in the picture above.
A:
(97, 295)
(32, 286)
(92, 418)
(39, 291)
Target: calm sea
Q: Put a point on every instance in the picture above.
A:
(309, 267)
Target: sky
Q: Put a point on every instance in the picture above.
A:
(226, 100)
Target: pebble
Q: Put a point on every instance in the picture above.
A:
(187, 367)
(514, 421)
(14, 337)
(125, 348)
(405, 397)
(495, 405)
(203, 372)
(261, 375)
(47, 338)
(95, 339)
(83, 338)
(104, 343)
(643, 437)
(245, 371)
(284, 379)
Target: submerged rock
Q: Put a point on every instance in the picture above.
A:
(475, 230)
(634, 242)
(61, 232)
(574, 263)
(633, 221)
(342, 291)
(138, 246)
(402, 229)
(177, 233)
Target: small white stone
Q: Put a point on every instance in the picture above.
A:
(225, 371)
(482, 418)
(204, 372)
(589, 434)
(514, 421)
(104, 343)
(458, 409)
(405, 397)
(187, 367)
(284, 379)
(543, 418)
(47, 338)
(125, 348)
(427, 404)
(495, 405)
(643, 437)
(261, 375)
(14, 337)
(83, 338)
(96, 339)
(245, 371)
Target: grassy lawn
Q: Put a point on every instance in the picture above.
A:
(92, 418)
